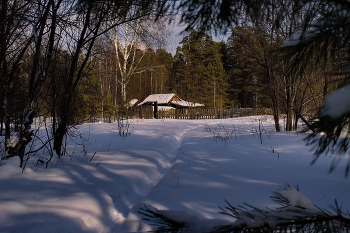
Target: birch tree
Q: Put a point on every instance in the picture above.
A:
(128, 55)
(131, 42)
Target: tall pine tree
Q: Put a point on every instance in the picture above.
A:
(199, 72)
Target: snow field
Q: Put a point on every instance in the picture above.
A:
(169, 164)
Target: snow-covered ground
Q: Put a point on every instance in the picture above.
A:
(190, 166)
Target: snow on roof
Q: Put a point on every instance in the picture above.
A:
(131, 103)
(166, 98)
(160, 98)
(184, 103)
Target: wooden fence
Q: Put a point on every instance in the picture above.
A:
(199, 113)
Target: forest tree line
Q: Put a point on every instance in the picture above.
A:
(75, 60)
(248, 70)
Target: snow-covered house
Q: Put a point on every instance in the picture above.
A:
(168, 101)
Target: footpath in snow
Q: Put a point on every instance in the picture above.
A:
(94, 188)
(187, 166)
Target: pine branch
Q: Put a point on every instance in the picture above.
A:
(286, 218)
(330, 136)
(158, 219)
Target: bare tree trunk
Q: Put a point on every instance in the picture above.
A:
(273, 88)
(275, 109)
(38, 75)
(289, 110)
(10, 32)
(75, 73)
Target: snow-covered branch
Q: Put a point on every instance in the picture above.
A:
(296, 213)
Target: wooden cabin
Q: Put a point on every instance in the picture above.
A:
(168, 100)
(165, 102)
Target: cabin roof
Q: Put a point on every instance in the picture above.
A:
(159, 98)
(169, 99)
(184, 103)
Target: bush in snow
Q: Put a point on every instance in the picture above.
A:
(123, 122)
(219, 132)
